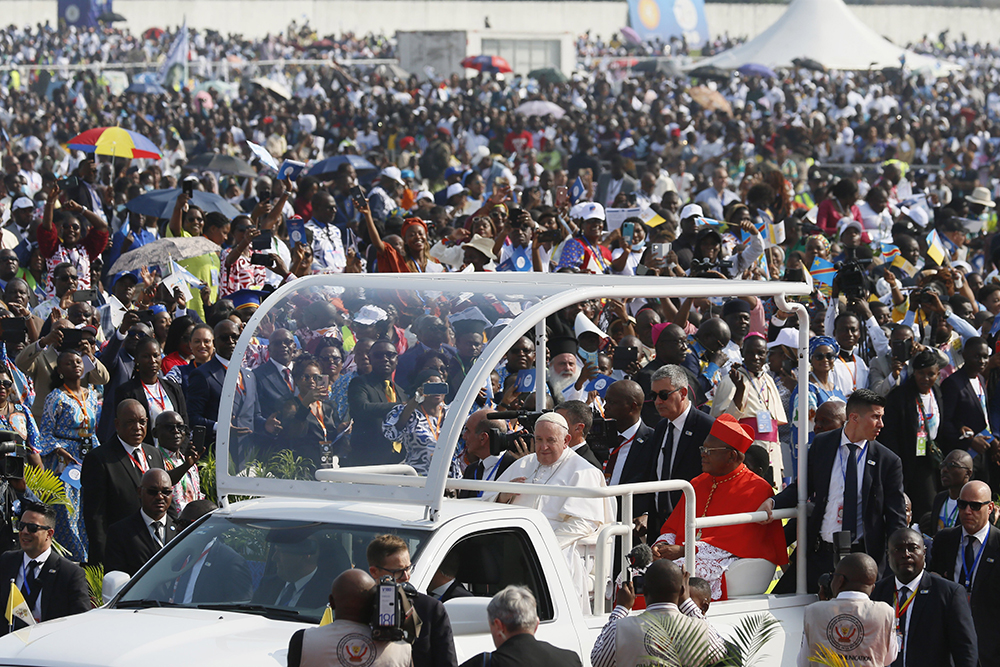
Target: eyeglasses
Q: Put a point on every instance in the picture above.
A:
(332, 359)
(68, 277)
(663, 394)
(975, 506)
(396, 573)
(383, 355)
(71, 228)
(707, 451)
(6, 384)
(829, 356)
(954, 464)
(315, 379)
(30, 527)
(153, 491)
(138, 334)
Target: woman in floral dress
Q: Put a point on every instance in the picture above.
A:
(68, 425)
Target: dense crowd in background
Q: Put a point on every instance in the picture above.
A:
(876, 188)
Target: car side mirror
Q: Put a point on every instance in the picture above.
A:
(114, 581)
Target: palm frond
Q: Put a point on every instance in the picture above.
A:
(95, 582)
(750, 636)
(60, 549)
(47, 487)
(826, 656)
(206, 473)
(677, 641)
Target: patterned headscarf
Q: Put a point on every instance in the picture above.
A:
(819, 341)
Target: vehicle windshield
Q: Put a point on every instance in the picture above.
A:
(279, 568)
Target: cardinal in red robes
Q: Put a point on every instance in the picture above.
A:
(726, 486)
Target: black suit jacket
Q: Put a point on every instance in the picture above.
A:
(204, 396)
(109, 479)
(130, 545)
(133, 389)
(940, 630)
(524, 649)
(315, 595)
(478, 471)
(120, 366)
(883, 510)
(587, 453)
(456, 590)
(640, 466)
(369, 406)
(224, 577)
(272, 392)
(64, 586)
(985, 587)
(435, 646)
(960, 408)
(902, 420)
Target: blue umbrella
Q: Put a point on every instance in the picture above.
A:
(753, 69)
(146, 88)
(160, 203)
(331, 164)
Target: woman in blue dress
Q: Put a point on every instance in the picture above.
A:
(16, 417)
(67, 434)
(823, 351)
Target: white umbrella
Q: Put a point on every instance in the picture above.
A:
(273, 86)
(541, 108)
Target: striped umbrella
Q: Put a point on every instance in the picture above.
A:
(116, 142)
(487, 64)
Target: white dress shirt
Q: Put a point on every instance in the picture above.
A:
(41, 559)
(678, 427)
(912, 586)
(980, 537)
(629, 435)
(832, 517)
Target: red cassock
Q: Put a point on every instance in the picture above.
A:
(740, 491)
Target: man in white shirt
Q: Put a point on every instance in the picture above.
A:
(851, 624)
(575, 521)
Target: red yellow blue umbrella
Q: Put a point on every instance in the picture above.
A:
(116, 142)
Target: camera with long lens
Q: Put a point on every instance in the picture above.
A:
(854, 281)
(701, 265)
(603, 436)
(394, 618)
(501, 441)
(12, 455)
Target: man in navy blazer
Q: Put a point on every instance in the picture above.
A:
(963, 412)
(654, 458)
(952, 555)
(935, 627)
(879, 508)
(205, 392)
(274, 377)
(117, 357)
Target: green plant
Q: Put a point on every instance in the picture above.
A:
(206, 473)
(95, 583)
(680, 643)
(48, 488)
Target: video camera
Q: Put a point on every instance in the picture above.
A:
(501, 441)
(854, 280)
(12, 456)
(394, 618)
(701, 265)
(603, 436)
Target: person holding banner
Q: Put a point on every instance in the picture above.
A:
(584, 252)
(43, 584)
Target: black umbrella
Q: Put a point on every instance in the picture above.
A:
(809, 63)
(711, 72)
(663, 65)
(111, 17)
(222, 164)
(547, 75)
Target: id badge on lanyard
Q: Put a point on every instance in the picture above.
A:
(764, 424)
(921, 442)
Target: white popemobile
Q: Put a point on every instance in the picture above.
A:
(161, 617)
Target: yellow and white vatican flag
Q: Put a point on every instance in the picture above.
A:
(17, 607)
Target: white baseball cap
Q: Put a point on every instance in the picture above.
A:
(20, 203)
(394, 173)
(454, 189)
(369, 315)
(789, 337)
(691, 210)
(425, 194)
(847, 223)
(590, 210)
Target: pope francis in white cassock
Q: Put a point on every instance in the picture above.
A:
(575, 521)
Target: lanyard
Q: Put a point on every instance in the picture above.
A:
(853, 372)
(435, 427)
(317, 410)
(24, 579)
(843, 461)
(975, 563)
(764, 398)
(138, 460)
(83, 408)
(948, 520)
(490, 474)
(614, 452)
(204, 553)
(925, 419)
(597, 254)
(901, 611)
(161, 400)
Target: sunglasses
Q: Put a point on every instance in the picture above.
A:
(396, 573)
(30, 527)
(972, 504)
(180, 428)
(829, 356)
(138, 334)
(332, 359)
(954, 464)
(663, 394)
(166, 491)
(6, 384)
(383, 355)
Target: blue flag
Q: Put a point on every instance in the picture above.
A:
(599, 384)
(526, 380)
(290, 170)
(577, 191)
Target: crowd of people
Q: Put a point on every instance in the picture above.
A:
(876, 189)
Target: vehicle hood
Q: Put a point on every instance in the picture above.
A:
(151, 637)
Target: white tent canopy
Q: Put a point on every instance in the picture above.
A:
(828, 32)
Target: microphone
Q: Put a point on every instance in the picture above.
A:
(640, 557)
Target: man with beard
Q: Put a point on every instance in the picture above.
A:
(566, 379)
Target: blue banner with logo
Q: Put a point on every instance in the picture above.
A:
(81, 13)
(664, 19)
